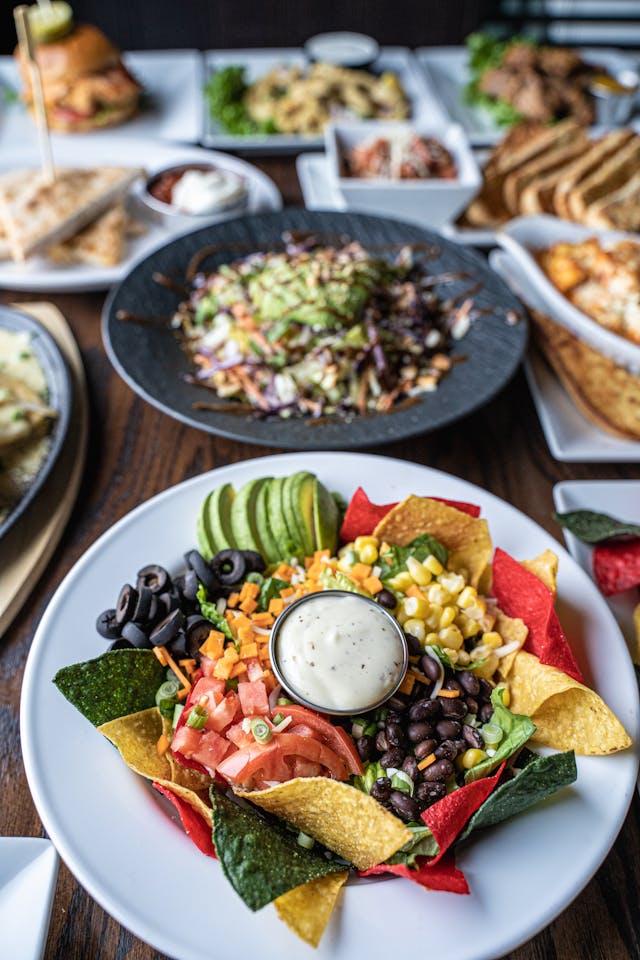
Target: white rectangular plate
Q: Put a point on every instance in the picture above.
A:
(447, 70)
(570, 436)
(28, 872)
(170, 110)
(424, 102)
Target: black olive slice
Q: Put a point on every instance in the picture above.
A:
(190, 589)
(254, 560)
(106, 625)
(178, 646)
(166, 603)
(154, 577)
(154, 609)
(167, 629)
(143, 604)
(229, 566)
(196, 631)
(120, 644)
(136, 636)
(125, 606)
(204, 573)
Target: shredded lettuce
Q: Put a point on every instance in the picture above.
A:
(516, 728)
(395, 560)
(210, 612)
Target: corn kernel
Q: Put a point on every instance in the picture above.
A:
(488, 668)
(368, 554)
(492, 640)
(432, 639)
(447, 617)
(402, 581)
(452, 582)
(345, 563)
(415, 607)
(433, 565)
(416, 628)
(506, 696)
(468, 628)
(478, 610)
(453, 655)
(437, 594)
(418, 572)
(433, 618)
(450, 637)
(361, 542)
(467, 598)
(472, 757)
(401, 616)
(463, 657)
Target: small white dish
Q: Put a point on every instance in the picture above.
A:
(430, 202)
(342, 47)
(570, 436)
(28, 873)
(526, 234)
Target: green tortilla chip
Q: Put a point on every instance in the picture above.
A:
(114, 685)
(262, 860)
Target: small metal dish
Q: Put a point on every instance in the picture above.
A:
(615, 98)
(177, 219)
(355, 709)
(343, 48)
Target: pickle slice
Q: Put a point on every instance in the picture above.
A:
(50, 21)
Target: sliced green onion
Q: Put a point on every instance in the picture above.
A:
(197, 718)
(261, 730)
(277, 719)
(370, 777)
(492, 734)
(166, 697)
(402, 781)
(358, 727)
(371, 729)
(255, 577)
(177, 713)
(232, 683)
(283, 702)
(304, 840)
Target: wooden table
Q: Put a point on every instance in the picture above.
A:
(135, 452)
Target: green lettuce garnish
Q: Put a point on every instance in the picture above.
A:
(337, 580)
(270, 590)
(395, 560)
(516, 729)
(210, 612)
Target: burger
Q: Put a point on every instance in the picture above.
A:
(85, 84)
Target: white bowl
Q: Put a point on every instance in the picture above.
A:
(525, 234)
(430, 203)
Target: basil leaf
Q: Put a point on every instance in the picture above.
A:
(270, 590)
(516, 729)
(591, 527)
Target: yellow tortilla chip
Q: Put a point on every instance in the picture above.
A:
(635, 651)
(307, 909)
(184, 776)
(545, 568)
(189, 797)
(512, 630)
(136, 736)
(567, 715)
(466, 538)
(344, 819)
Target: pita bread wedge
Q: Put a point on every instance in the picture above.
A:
(37, 214)
(102, 242)
(607, 395)
(570, 144)
(537, 191)
(578, 171)
(610, 176)
(618, 210)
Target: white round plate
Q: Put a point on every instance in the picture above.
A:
(42, 274)
(114, 834)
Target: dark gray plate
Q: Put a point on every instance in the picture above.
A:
(56, 374)
(148, 356)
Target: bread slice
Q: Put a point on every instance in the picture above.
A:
(607, 395)
(37, 214)
(609, 177)
(102, 243)
(619, 210)
(551, 162)
(582, 168)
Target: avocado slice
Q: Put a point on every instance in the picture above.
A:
(218, 519)
(204, 536)
(298, 497)
(264, 530)
(243, 515)
(325, 518)
(286, 541)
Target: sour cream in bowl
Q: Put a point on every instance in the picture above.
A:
(195, 194)
(338, 652)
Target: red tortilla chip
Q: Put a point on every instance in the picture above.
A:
(443, 876)
(616, 566)
(447, 818)
(363, 516)
(521, 594)
(195, 826)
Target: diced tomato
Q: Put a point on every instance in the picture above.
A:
(211, 688)
(333, 736)
(267, 760)
(238, 736)
(224, 713)
(206, 747)
(253, 698)
(255, 670)
(302, 729)
(207, 665)
(305, 768)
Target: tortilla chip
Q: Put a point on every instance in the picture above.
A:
(545, 568)
(194, 814)
(567, 715)
(190, 797)
(344, 819)
(512, 630)
(181, 775)
(307, 909)
(136, 736)
(467, 538)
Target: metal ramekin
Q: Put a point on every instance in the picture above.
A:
(178, 220)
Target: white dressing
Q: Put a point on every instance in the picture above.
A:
(205, 191)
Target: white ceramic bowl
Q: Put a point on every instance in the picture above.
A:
(430, 203)
(526, 234)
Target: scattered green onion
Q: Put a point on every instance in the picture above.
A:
(358, 725)
(255, 577)
(166, 697)
(177, 713)
(197, 717)
(492, 734)
(370, 777)
(371, 729)
(277, 719)
(304, 840)
(283, 702)
(261, 731)
(402, 781)
(232, 683)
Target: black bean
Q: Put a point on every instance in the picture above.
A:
(472, 736)
(447, 750)
(424, 710)
(386, 599)
(395, 733)
(448, 729)
(430, 667)
(415, 647)
(106, 625)
(392, 758)
(460, 745)
(396, 704)
(470, 683)
(419, 731)
(485, 689)
(405, 807)
(452, 684)
(472, 704)
(456, 708)
(424, 748)
(440, 770)
(364, 746)
(381, 789)
(485, 712)
(410, 766)
(429, 793)
(382, 744)
(127, 599)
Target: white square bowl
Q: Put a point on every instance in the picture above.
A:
(430, 203)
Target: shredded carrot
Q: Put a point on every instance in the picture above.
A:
(162, 745)
(160, 654)
(427, 761)
(407, 684)
(182, 694)
(186, 683)
(449, 694)
(420, 677)
(189, 667)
